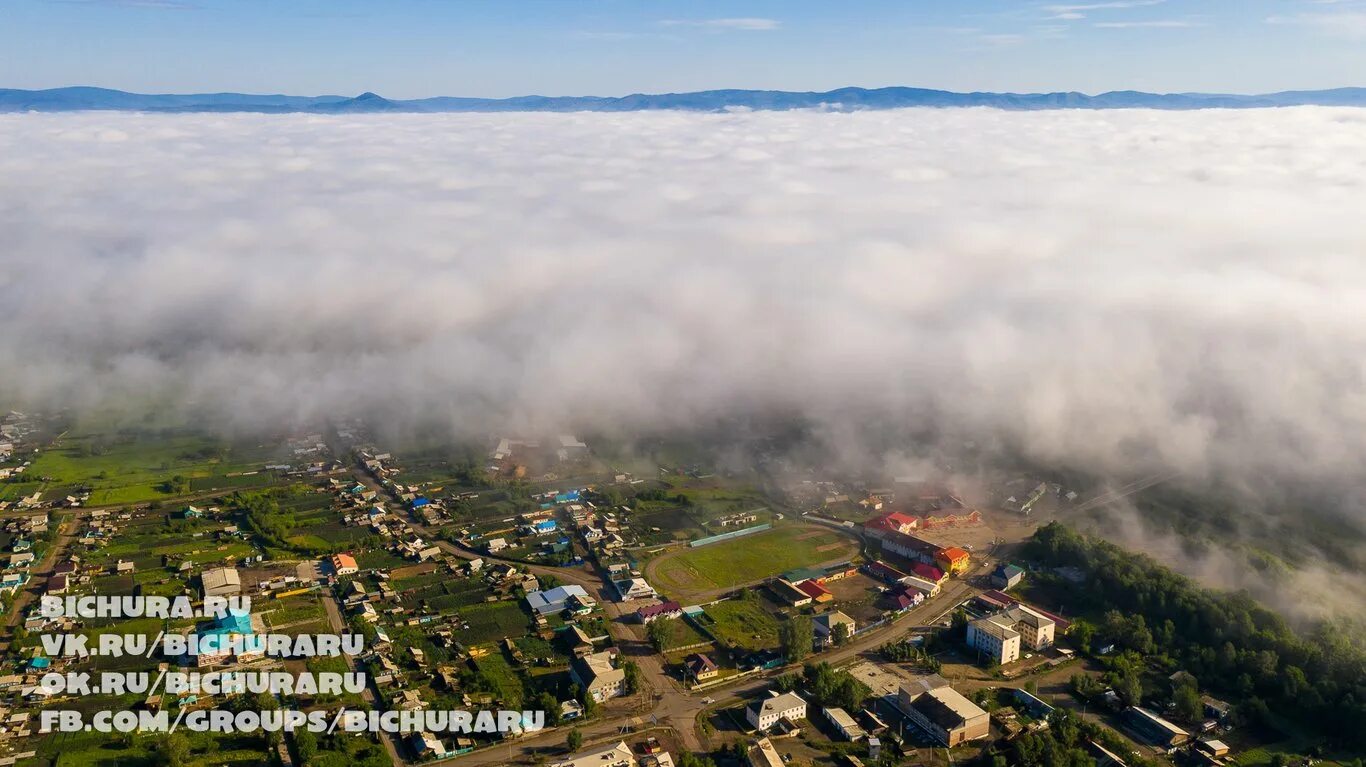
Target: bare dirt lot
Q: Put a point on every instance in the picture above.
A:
(856, 596)
(1002, 529)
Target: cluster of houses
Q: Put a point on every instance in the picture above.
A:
(905, 590)
(313, 457)
(807, 585)
(15, 428)
(739, 519)
(24, 531)
(361, 507)
(927, 703)
(893, 531)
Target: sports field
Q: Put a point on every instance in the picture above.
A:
(747, 559)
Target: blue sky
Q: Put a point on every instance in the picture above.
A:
(413, 48)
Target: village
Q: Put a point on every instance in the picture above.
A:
(658, 614)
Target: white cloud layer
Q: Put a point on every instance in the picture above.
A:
(1118, 290)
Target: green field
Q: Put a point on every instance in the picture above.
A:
(283, 612)
(134, 467)
(491, 621)
(743, 624)
(733, 563)
(506, 684)
(680, 633)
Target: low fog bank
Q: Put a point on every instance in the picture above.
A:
(1117, 292)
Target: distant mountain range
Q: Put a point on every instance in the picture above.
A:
(85, 98)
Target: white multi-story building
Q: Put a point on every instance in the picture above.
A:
(1000, 636)
(596, 674)
(994, 639)
(769, 711)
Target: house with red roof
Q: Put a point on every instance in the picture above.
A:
(817, 592)
(905, 598)
(895, 522)
(662, 610)
(700, 667)
(928, 572)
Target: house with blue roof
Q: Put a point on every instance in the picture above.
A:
(419, 502)
(567, 497)
(229, 634)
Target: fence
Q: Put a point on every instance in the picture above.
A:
(730, 535)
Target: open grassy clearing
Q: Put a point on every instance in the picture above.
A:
(733, 563)
(491, 621)
(680, 633)
(282, 612)
(122, 467)
(507, 684)
(742, 624)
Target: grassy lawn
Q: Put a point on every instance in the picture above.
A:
(681, 633)
(495, 668)
(491, 621)
(750, 558)
(281, 612)
(743, 625)
(379, 559)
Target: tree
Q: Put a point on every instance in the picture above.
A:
(786, 682)
(796, 638)
(590, 705)
(575, 740)
(631, 676)
(1130, 689)
(840, 633)
(306, 745)
(267, 702)
(689, 759)
(546, 702)
(1082, 633)
(658, 633)
(959, 626)
(174, 750)
(1189, 707)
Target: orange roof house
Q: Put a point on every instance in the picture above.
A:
(343, 564)
(954, 560)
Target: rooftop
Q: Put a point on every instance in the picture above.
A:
(947, 708)
(777, 704)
